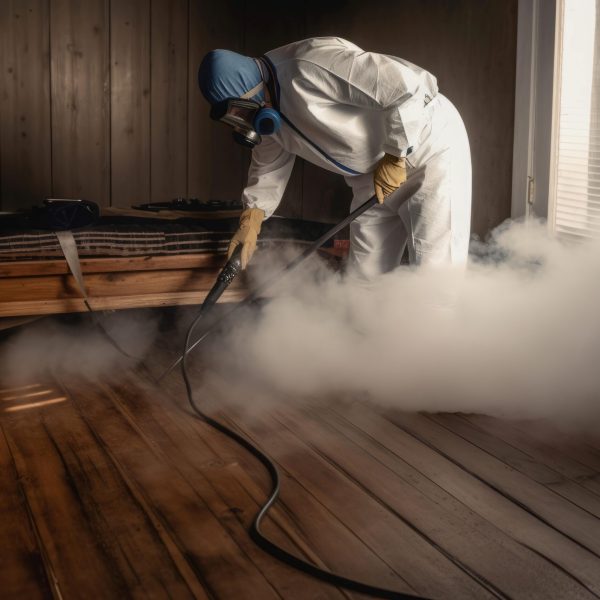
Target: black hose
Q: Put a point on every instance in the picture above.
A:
(225, 277)
(255, 530)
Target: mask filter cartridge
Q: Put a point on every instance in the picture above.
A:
(267, 121)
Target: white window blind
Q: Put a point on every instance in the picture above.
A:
(576, 198)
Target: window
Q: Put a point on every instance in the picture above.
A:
(574, 203)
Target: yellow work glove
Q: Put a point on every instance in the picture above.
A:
(389, 175)
(247, 234)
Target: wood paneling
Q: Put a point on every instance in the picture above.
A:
(199, 126)
(129, 123)
(25, 163)
(80, 100)
(216, 167)
(130, 101)
(169, 98)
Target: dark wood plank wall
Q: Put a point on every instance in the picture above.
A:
(25, 149)
(80, 102)
(130, 101)
(100, 100)
(215, 163)
(273, 26)
(169, 99)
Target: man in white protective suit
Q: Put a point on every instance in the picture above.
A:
(369, 117)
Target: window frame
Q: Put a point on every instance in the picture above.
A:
(536, 92)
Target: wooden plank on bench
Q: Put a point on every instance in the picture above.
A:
(69, 305)
(98, 285)
(23, 268)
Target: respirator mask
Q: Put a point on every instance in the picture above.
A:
(249, 119)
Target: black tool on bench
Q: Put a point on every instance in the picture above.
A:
(55, 214)
(190, 204)
(60, 214)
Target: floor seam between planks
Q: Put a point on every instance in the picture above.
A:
(560, 478)
(562, 570)
(425, 476)
(533, 481)
(467, 570)
(162, 529)
(577, 479)
(333, 515)
(129, 417)
(496, 489)
(48, 568)
(282, 469)
(362, 433)
(304, 546)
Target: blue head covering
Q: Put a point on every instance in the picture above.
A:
(224, 74)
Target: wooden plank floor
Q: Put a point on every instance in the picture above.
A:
(110, 489)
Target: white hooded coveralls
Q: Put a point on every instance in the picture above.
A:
(343, 108)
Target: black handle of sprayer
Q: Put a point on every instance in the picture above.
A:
(232, 267)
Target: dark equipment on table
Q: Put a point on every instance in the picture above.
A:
(226, 276)
(191, 205)
(60, 214)
(55, 214)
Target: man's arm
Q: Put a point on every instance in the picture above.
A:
(268, 176)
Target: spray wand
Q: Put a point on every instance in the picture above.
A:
(233, 266)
